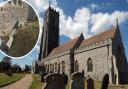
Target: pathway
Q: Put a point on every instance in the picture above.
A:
(23, 83)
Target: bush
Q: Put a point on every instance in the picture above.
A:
(9, 73)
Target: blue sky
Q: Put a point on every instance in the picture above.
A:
(87, 16)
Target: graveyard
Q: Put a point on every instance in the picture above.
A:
(36, 84)
(54, 81)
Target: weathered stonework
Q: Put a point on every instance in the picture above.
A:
(13, 14)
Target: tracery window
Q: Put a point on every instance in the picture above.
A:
(63, 66)
(76, 66)
(89, 65)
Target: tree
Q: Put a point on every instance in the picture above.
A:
(27, 68)
(5, 64)
(16, 68)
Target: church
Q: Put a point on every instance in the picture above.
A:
(96, 56)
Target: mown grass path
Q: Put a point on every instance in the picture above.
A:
(6, 80)
(23, 83)
(36, 84)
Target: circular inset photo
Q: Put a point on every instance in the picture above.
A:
(19, 28)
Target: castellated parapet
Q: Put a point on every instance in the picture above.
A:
(14, 14)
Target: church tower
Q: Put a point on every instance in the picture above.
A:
(50, 33)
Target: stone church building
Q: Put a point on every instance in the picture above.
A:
(95, 56)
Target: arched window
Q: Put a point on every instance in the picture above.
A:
(63, 66)
(48, 69)
(53, 68)
(56, 67)
(76, 66)
(89, 65)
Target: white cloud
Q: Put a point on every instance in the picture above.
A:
(94, 6)
(41, 5)
(73, 26)
(82, 19)
(102, 21)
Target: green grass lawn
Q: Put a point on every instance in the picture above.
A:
(36, 84)
(5, 80)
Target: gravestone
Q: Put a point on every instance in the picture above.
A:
(77, 81)
(105, 82)
(54, 81)
(90, 83)
(42, 76)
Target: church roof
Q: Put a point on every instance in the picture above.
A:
(66, 46)
(96, 38)
(99, 37)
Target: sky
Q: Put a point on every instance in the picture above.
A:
(89, 17)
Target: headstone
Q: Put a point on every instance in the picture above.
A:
(77, 81)
(90, 83)
(54, 81)
(105, 82)
(65, 78)
(42, 76)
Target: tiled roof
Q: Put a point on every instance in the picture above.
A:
(68, 45)
(99, 37)
(96, 38)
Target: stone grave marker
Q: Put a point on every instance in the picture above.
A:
(54, 81)
(105, 82)
(90, 83)
(77, 81)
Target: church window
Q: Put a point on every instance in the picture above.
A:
(19, 2)
(9, 2)
(14, 1)
(56, 67)
(76, 66)
(89, 65)
(63, 66)
(50, 67)
(53, 68)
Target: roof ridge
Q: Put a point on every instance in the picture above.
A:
(100, 36)
(68, 45)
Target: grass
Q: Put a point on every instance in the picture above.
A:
(6, 80)
(36, 84)
(25, 39)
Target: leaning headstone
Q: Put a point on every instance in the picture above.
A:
(105, 82)
(54, 81)
(90, 83)
(77, 81)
